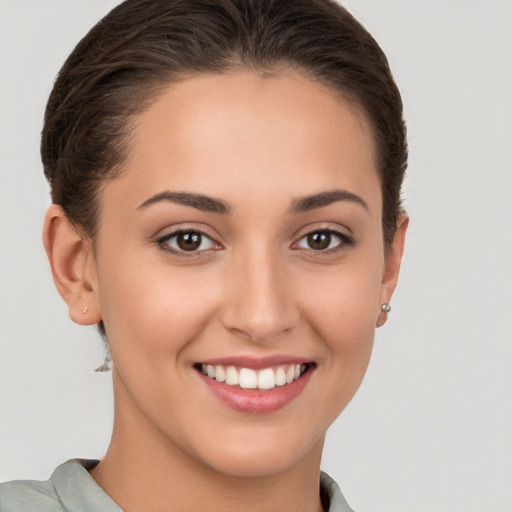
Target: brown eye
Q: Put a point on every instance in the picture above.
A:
(324, 241)
(187, 241)
(319, 241)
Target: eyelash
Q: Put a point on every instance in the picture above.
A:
(344, 241)
(164, 242)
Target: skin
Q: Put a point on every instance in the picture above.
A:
(257, 143)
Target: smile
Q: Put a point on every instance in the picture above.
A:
(256, 385)
(248, 378)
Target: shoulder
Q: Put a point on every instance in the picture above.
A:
(28, 496)
(70, 488)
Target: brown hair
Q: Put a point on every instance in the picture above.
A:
(143, 45)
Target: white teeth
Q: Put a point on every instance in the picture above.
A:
(266, 379)
(220, 374)
(280, 376)
(247, 378)
(231, 376)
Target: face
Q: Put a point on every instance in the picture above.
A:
(239, 269)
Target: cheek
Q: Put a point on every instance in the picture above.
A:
(344, 303)
(347, 328)
(154, 313)
(151, 320)
(343, 316)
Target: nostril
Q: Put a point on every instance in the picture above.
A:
(259, 326)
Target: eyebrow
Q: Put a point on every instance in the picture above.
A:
(308, 203)
(209, 204)
(198, 201)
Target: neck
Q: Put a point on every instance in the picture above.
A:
(153, 473)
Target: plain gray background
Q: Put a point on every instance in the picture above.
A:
(431, 427)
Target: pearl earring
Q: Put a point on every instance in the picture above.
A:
(385, 308)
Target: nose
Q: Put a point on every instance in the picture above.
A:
(259, 300)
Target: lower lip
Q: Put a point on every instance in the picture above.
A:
(257, 401)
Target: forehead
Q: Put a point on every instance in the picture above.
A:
(246, 132)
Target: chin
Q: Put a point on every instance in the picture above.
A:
(259, 458)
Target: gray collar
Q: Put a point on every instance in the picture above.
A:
(78, 492)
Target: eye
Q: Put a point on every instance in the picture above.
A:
(187, 241)
(323, 240)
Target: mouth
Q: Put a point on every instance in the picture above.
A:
(255, 386)
(262, 379)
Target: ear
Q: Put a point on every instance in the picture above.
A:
(392, 267)
(73, 266)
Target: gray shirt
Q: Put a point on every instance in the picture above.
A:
(72, 489)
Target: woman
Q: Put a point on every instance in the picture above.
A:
(226, 208)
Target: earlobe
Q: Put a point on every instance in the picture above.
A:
(392, 269)
(72, 263)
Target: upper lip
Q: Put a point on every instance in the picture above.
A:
(256, 363)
